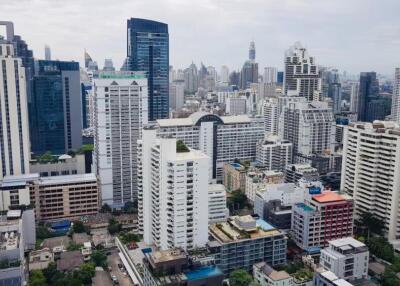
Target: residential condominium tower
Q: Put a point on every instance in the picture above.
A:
(148, 51)
(14, 132)
(396, 96)
(120, 112)
(173, 192)
(370, 171)
(301, 77)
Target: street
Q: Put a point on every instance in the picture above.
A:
(113, 261)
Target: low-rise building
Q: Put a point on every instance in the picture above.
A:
(70, 261)
(174, 268)
(295, 172)
(347, 258)
(324, 216)
(40, 259)
(217, 210)
(257, 180)
(243, 241)
(63, 165)
(17, 235)
(234, 177)
(265, 275)
(328, 278)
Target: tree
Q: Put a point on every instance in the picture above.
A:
(99, 258)
(237, 199)
(240, 277)
(36, 278)
(42, 232)
(381, 248)
(105, 209)
(78, 227)
(46, 157)
(113, 226)
(254, 283)
(372, 223)
(51, 273)
(130, 207)
(86, 272)
(74, 246)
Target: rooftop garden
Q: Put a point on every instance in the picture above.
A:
(181, 147)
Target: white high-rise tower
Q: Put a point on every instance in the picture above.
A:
(173, 192)
(14, 131)
(396, 96)
(120, 112)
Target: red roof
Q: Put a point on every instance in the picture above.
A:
(328, 196)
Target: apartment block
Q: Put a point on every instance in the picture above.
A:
(217, 210)
(324, 216)
(274, 153)
(295, 172)
(234, 176)
(173, 192)
(243, 241)
(257, 180)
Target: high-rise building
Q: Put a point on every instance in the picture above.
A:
(191, 79)
(270, 74)
(354, 95)
(148, 51)
(223, 139)
(56, 115)
(274, 153)
(120, 113)
(224, 75)
(324, 216)
(370, 105)
(271, 116)
(248, 74)
(252, 51)
(370, 171)
(234, 79)
(14, 132)
(47, 53)
(310, 126)
(396, 97)
(332, 88)
(176, 94)
(174, 211)
(301, 77)
(217, 210)
(108, 65)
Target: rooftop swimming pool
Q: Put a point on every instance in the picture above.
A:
(203, 272)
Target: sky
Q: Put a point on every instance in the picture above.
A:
(351, 35)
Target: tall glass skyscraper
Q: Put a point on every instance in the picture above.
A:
(148, 51)
(56, 114)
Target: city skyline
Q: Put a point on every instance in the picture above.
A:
(342, 38)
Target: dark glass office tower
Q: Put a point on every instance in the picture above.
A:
(371, 106)
(56, 117)
(148, 51)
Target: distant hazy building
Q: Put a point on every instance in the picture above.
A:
(120, 113)
(224, 75)
(176, 94)
(274, 153)
(332, 88)
(14, 132)
(174, 211)
(148, 51)
(248, 74)
(396, 97)
(252, 51)
(370, 171)
(191, 79)
(108, 65)
(301, 77)
(270, 74)
(236, 105)
(354, 96)
(56, 118)
(47, 53)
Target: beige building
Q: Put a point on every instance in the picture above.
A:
(54, 198)
(64, 165)
(234, 177)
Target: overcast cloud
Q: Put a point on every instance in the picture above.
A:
(352, 35)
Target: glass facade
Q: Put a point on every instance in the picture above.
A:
(148, 51)
(48, 129)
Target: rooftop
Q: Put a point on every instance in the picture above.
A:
(272, 273)
(242, 228)
(198, 117)
(328, 197)
(341, 242)
(305, 207)
(167, 255)
(54, 180)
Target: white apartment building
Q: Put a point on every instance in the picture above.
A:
(14, 132)
(173, 193)
(259, 180)
(270, 111)
(236, 105)
(301, 77)
(265, 275)
(121, 110)
(223, 139)
(274, 153)
(354, 97)
(347, 258)
(176, 94)
(370, 171)
(310, 126)
(270, 74)
(217, 210)
(396, 97)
